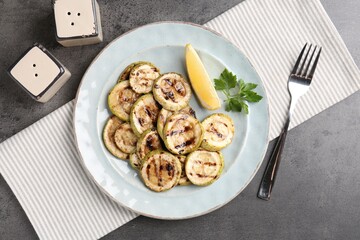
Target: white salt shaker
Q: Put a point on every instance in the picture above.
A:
(39, 73)
(77, 22)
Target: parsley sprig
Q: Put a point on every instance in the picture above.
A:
(237, 92)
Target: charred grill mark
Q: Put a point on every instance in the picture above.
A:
(169, 167)
(159, 172)
(170, 170)
(206, 163)
(148, 112)
(192, 112)
(214, 130)
(186, 143)
(148, 170)
(127, 95)
(167, 80)
(180, 89)
(205, 176)
(150, 143)
(186, 129)
(169, 95)
(141, 121)
(145, 83)
(152, 112)
(156, 86)
(172, 133)
(156, 166)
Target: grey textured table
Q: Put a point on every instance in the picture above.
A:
(318, 186)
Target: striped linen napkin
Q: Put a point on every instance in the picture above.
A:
(41, 164)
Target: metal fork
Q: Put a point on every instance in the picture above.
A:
(298, 84)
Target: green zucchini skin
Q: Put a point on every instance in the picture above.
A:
(144, 114)
(135, 162)
(112, 124)
(204, 167)
(172, 91)
(219, 132)
(160, 170)
(120, 100)
(183, 181)
(142, 77)
(182, 134)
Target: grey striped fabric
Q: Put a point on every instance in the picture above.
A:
(42, 167)
(41, 164)
(272, 34)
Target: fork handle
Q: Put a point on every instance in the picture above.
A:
(268, 179)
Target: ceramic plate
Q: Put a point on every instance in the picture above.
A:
(163, 44)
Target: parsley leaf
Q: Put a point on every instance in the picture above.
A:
(226, 81)
(244, 93)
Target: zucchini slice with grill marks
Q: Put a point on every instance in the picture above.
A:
(112, 124)
(172, 91)
(124, 75)
(142, 77)
(148, 141)
(120, 100)
(182, 133)
(165, 114)
(125, 138)
(160, 171)
(218, 132)
(203, 167)
(135, 162)
(144, 114)
(183, 178)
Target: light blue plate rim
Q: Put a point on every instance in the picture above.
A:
(108, 179)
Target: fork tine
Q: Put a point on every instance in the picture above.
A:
(298, 60)
(312, 71)
(310, 60)
(303, 63)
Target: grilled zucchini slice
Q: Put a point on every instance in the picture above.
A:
(160, 171)
(125, 138)
(183, 181)
(182, 133)
(112, 124)
(120, 100)
(142, 77)
(144, 114)
(148, 142)
(218, 132)
(172, 91)
(126, 73)
(165, 114)
(135, 162)
(203, 167)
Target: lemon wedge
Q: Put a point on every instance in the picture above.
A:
(200, 80)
